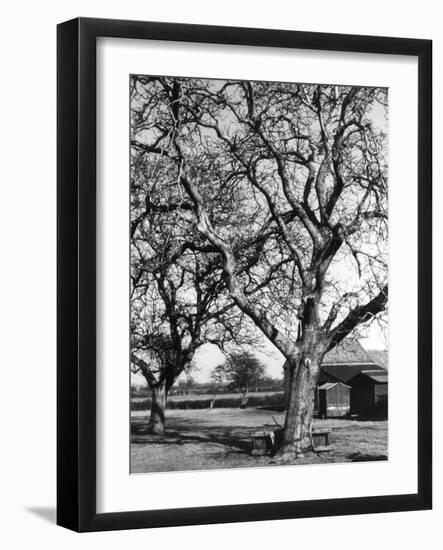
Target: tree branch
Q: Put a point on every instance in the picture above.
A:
(357, 316)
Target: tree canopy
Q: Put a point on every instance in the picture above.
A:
(287, 183)
(279, 190)
(243, 368)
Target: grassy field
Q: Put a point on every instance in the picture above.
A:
(200, 440)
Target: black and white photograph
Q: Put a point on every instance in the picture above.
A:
(221, 309)
(259, 265)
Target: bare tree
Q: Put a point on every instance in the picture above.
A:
(178, 299)
(218, 378)
(243, 368)
(287, 184)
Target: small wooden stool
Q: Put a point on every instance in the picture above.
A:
(262, 443)
(320, 441)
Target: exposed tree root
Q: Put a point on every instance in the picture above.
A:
(155, 430)
(290, 453)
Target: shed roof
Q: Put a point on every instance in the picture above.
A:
(380, 357)
(344, 373)
(380, 377)
(349, 353)
(329, 385)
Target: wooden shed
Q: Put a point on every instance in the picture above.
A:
(369, 396)
(333, 400)
(345, 361)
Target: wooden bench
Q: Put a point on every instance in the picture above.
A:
(320, 441)
(263, 442)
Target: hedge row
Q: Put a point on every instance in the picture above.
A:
(271, 400)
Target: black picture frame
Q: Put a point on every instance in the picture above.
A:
(77, 248)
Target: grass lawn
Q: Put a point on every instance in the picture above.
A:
(203, 439)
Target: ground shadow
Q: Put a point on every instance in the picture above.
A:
(237, 440)
(361, 457)
(46, 513)
(238, 443)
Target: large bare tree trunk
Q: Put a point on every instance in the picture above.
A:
(301, 376)
(156, 424)
(286, 383)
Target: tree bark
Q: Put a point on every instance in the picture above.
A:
(244, 398)
(212, 403)
(156, 425)
(301, 376)
(286, 383)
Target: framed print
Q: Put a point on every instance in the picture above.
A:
(244, 274)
